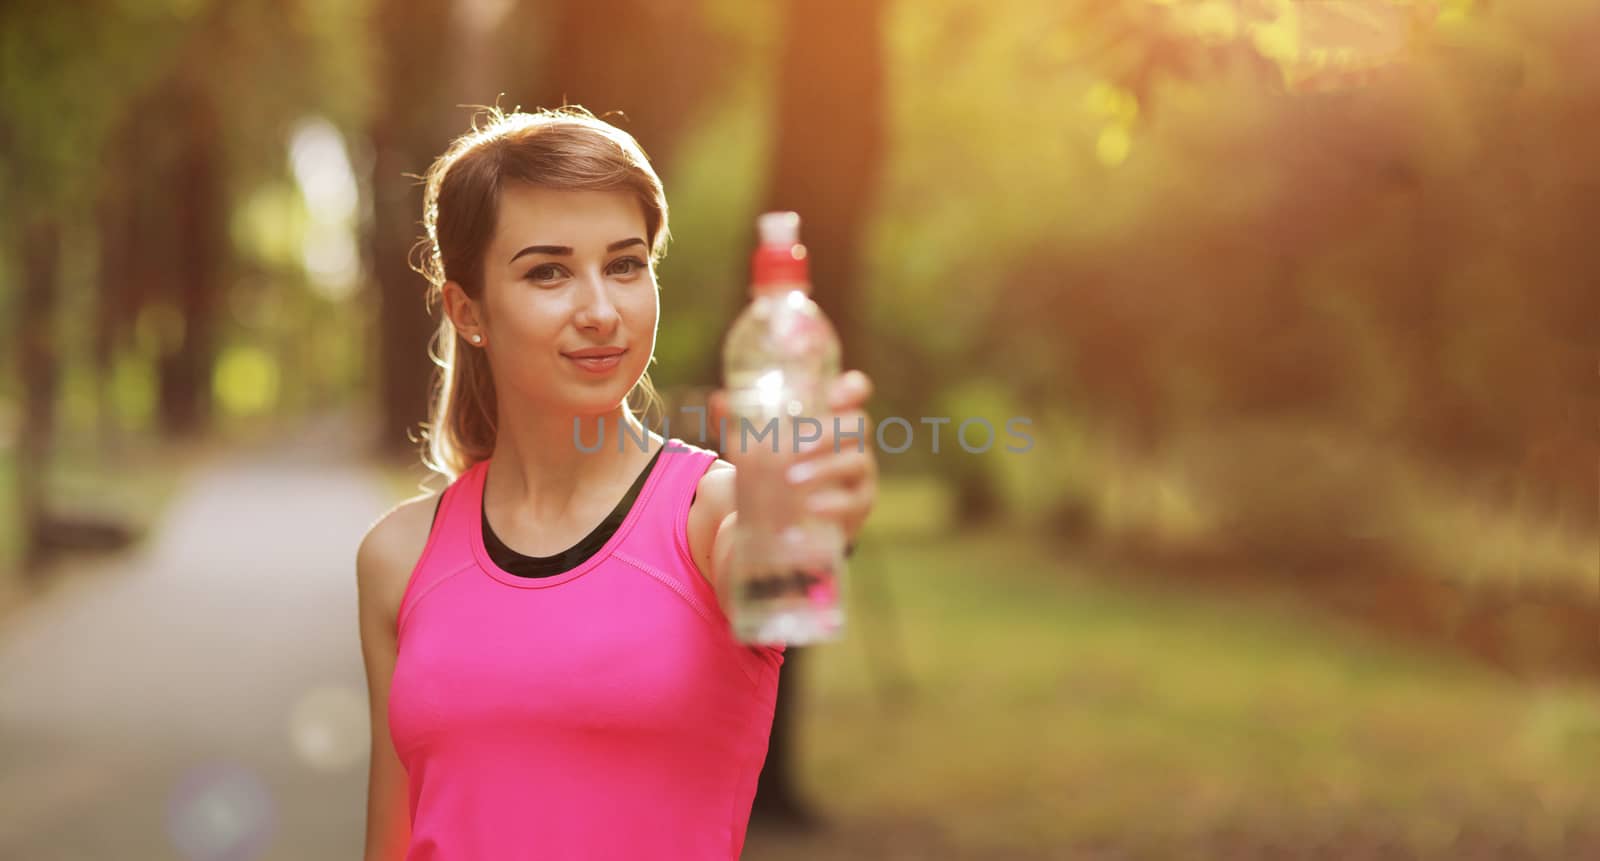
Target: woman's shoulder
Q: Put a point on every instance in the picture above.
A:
(715, 478)
(390, 550)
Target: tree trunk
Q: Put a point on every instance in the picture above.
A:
(411, 126)
(113, 308)
(197, 265)
(653, 62)
(830, 139)
(39, 363)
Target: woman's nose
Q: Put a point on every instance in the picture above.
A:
(595, 308)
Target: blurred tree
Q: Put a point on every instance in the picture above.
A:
(39, 367)
(656, 64)
(829, 147)
(1352, 216)
(122, 135)
(78, 63)
(830, 141)
(195, 285)
(1142, 45)
(417, 45)
(115, 307)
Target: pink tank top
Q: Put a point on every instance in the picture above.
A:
(605, 712)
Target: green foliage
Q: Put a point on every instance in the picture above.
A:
(246, 380)
(714, 186)
(69, 68)
(1176, 215)
(79, 77)
(1128, 221)
(979, 142)
(271, 64)
(269, 226)
(133, 389)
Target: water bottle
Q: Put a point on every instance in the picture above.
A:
(786, 575)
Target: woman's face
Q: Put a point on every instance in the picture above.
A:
(568, 271)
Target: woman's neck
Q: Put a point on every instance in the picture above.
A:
(543, 465)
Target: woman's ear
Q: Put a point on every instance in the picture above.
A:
(464, 311)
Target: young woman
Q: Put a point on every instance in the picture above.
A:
(549, 670)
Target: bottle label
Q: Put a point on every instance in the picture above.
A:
(818, 587)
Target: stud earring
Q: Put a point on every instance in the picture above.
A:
(477, 339)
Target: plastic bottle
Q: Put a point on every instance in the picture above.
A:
(786, 577)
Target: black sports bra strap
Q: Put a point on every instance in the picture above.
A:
(523, 565)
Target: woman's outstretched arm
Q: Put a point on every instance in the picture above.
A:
(839, 476)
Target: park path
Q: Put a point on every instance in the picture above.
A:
(202, 697)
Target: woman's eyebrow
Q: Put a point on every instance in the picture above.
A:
(558, 250)
(566, 250)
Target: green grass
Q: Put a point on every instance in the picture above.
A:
(1052, 707)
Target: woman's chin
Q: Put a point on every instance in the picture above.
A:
(585, 401)
(597, 405)
(591, 411)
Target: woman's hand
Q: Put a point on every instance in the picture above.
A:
(838, 473)
(840, 476)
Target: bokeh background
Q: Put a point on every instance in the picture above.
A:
(1297, 298)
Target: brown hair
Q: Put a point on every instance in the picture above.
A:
(567, 149)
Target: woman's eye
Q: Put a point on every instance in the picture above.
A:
(627, 266)
(547, 272)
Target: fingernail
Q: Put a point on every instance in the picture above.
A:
(800, 472)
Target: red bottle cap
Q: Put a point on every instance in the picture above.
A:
(780, 259)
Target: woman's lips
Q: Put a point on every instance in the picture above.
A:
(599, 365)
